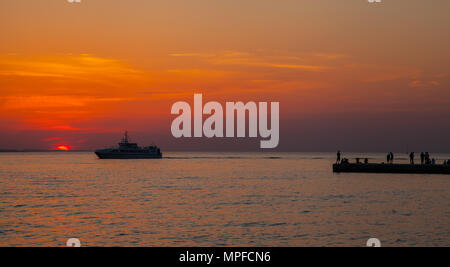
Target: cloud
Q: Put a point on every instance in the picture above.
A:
(74, 67)
(239, 59)
(52, 139)
(419, 83)
(65, 128)
(330, 56)
(302, 67)
(192, 55)
(61, 92)
(203, 73)
(409, 77)
(47, 102)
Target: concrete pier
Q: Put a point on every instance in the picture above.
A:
(391, 168)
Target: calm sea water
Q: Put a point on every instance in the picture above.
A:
(212, 199)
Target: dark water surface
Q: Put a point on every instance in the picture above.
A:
(216, 199)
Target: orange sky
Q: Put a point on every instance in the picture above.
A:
(79, 74)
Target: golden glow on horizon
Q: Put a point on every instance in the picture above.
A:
(63, 148)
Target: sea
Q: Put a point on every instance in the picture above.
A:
(216, 200)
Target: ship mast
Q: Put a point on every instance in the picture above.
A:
(125, 138)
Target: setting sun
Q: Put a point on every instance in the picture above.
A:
(63, 148)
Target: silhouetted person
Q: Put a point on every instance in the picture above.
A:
(338, 159)
(433, 161)
(388, 158)
(357, 161)
(392, 157)
(411, 158)
(366, 161)
(422, 158)
(427, 158)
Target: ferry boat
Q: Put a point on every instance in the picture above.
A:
(127, 150)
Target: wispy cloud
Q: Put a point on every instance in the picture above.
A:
(59, 92)
(205, 55)
(236, 58)
(34, 102)
(419, 83)
(81, 67)
(330, 56)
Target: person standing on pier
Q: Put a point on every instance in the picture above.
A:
(392, 157)
(422, 158)
(427, 158)
(411, 158)
(338, 159)
(388, 158)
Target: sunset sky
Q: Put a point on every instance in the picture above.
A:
(349, 75)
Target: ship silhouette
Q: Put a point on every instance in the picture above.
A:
(127, 150)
